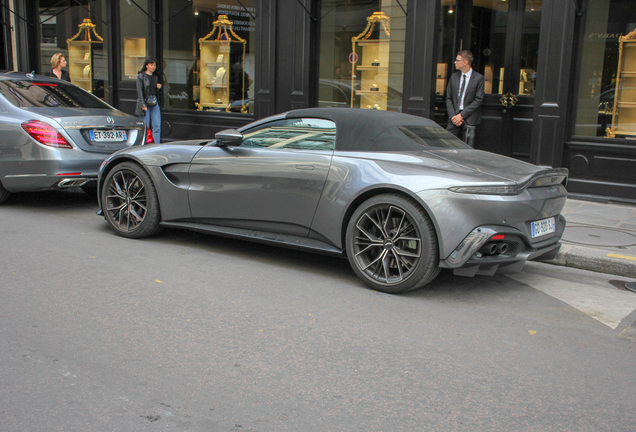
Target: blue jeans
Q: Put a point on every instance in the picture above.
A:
(153, 119)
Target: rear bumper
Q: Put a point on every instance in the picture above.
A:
(25, 176)
(490, 267)
(32, 183)
(466, 260)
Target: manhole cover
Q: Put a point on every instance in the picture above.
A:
(594, 236)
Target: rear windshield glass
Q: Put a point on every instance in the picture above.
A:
(432, 136)
(27, 94)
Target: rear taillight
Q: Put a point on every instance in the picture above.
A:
(149, 138)
(45, 134)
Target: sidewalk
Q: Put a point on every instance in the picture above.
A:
(599, 237)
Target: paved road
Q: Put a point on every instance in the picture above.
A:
(194, 333)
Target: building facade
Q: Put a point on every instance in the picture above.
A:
(560, 74)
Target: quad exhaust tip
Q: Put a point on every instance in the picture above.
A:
(74, 182)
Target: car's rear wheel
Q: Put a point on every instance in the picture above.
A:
(4, 194)
(392, 245)
(129, 201)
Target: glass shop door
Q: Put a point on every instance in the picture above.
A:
(503, 36)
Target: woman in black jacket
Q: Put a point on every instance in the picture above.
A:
(57, 63)
(148, 87)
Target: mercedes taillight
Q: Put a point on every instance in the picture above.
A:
(149, 138)
(45, 134)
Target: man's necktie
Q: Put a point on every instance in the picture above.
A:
(461, 91)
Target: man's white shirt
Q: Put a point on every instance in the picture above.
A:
(467, 75)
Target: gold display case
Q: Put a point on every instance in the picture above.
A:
(442, 76)
(370, 59)
(624, 111)
(526, 85)
(80, 55)
(134, 56)
(216, 71)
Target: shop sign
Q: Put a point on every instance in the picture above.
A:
(181, 96)
(604, 36)
(240, 17)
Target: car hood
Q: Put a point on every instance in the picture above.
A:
(503, 167)
(59, 112)
(463, 165)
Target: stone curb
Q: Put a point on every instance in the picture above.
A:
(596, 260)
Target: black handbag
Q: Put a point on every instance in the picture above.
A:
(151, 101)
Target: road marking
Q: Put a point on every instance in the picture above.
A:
(625, 257)
(607, 305)
(629, 332)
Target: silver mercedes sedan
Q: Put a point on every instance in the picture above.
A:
(55, 135)
(396, 194)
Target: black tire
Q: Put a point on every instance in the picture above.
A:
(4, 194)
(392, 245)
(130, 203)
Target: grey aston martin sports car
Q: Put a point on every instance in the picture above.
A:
(55, 135)
(397, 195)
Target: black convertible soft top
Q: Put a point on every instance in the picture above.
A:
(381, 131)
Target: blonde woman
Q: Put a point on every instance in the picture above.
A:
(57, 63)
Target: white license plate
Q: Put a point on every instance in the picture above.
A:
(108, 136)
(543, 227)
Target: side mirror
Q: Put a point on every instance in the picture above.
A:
(229, 137)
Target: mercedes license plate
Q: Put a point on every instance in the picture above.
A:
(108, 135)
(543, 227)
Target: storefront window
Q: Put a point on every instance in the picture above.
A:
(134, 32)
(209, 55)
(362, 54)
(607, 81)
(489, 33)
(445, 53)
(79, 32)
(529, 59)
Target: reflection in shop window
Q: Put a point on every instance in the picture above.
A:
(488, 44)
(79, 33)
(529, 60)
(362, 54)
(445, 53)
(606, 105)
(134, 31)
(209, 55)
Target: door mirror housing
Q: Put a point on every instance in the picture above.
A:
(229, 137)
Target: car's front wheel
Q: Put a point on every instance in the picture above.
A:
(4, 194)
(129, 201)
(392, 245)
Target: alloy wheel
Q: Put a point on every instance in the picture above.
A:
(387, 244)
(126, 200)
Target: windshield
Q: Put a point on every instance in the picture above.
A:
(432, 136)
(27, 94)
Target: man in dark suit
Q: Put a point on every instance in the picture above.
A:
(464, 95)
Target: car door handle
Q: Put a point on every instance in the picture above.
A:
(305, 167)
